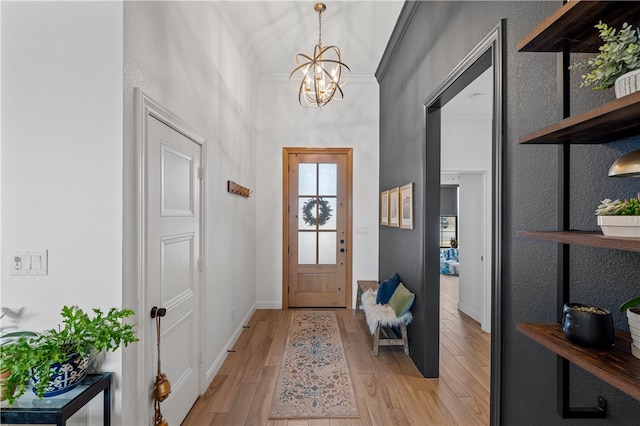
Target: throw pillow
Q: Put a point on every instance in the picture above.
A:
(386, 289)
(401, 300)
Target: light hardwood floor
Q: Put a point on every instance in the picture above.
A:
(389, 388)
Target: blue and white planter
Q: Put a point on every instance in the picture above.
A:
(66, 375)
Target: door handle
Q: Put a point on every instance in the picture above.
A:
(158, 312)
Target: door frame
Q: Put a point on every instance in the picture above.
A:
(145, 106)
(348, 152)
(489, 50)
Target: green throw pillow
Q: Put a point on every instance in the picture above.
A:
(401, 300)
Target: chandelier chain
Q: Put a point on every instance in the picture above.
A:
(320, 28)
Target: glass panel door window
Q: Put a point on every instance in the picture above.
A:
(317, 213)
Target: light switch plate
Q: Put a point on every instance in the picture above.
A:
(29, 261)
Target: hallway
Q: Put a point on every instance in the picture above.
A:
(389, 389)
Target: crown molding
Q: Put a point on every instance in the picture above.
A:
(399, 30)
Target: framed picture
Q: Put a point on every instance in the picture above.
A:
(394, 210)
(384, 208)
(406, 206)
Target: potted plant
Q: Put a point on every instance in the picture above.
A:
(620, 218)
(453, 242)
(618, 62)
(632, 308)
(56, 361)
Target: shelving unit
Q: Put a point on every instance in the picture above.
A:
(585, 238)
(571, 26)
(616, 120)
(616, 366)
(571, 29)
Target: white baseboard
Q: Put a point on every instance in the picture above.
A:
(217, 364)
(269, 304)
(471, 312)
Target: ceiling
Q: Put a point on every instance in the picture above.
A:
(278, 30)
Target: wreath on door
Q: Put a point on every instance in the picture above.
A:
(309, 209)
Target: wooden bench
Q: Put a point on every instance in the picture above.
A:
(381, 319)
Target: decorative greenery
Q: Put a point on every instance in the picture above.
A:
(31, 356)
(629, 207)
(324, 212)
(631, 303)
(453, 243)
(619, 54)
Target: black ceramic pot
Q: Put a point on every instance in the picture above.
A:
(587, 325)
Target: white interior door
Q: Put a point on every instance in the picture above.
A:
(172, 253)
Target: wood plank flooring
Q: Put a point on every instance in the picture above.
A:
(389, 388)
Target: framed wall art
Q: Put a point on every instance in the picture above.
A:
(406, 206)
(394, 210)
(384, 208)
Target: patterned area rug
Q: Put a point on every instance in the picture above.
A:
(314, 380)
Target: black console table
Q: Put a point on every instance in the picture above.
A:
(28, 409)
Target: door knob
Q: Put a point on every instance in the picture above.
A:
(158, 312)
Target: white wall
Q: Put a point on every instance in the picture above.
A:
(471, 220)
(185, 56)
(62, 158)
(282, 122)
(466, 147)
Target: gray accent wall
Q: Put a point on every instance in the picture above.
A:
(437, 37)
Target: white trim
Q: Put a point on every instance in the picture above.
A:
(217, 364)
(269, 304)
(146, 106)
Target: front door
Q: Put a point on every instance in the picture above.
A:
(317, 241)
(173, 250)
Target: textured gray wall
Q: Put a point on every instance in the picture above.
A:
(439, 36)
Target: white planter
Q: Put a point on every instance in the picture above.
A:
(627, 83)
(620, 226)
(634, 321)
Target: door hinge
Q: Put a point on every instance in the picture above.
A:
(200, 173)
(199, 263)
(288, 290)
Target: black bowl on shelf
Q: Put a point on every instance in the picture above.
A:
(587, 325)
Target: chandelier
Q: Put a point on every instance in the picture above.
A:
(319, 78)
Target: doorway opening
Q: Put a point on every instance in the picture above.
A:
(483, 205)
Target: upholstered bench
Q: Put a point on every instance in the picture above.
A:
(383, 317)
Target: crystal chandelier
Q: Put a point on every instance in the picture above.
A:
(318, 79)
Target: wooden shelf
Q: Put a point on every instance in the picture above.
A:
(613, 121)
(584, 238)
(616, 366)
(572, 26)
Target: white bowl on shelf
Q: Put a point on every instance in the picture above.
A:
(620, 226)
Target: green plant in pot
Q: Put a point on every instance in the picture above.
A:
(453, 243)
(632, 308)
(620, 218)
(56, 361)
(618, 55)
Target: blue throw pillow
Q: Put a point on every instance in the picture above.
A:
(386, 289)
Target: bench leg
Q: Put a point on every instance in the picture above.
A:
(376, 341)
(403, 330)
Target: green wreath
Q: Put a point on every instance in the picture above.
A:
(309, 208)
